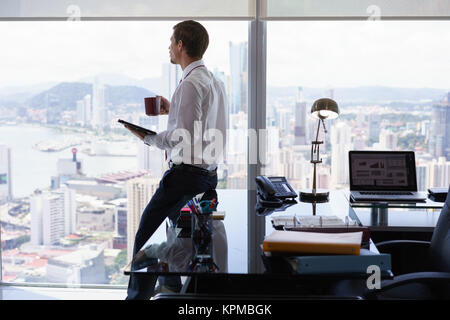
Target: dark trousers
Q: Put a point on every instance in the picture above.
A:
(176, 188)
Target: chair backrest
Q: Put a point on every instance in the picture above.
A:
(440, 241)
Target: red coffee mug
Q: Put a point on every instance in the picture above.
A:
(152, 106)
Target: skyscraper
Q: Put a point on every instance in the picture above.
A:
(53, 216)
(87, 109)
(300, 119)
(341, 144)
(99, 115)
(80, 112)
(421, 174)
(84, 112)
(273, 161)
(139, 193)
(439, 145)
(388, 140)
(236, 146)
(284, 117)
(238, 73)
(150, 158)
(120, 228)
(5, 174)
(171, 75)
(438, 173)
(374, 126)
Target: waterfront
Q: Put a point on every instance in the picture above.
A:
(32, 169)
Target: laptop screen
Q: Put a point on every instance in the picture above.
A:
(382, 170)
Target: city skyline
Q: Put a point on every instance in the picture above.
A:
(83, 220)
(89, 254)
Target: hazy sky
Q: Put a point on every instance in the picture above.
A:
(311, 54)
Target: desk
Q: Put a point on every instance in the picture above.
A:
(388, 221)
(234, 202)
(237, 278)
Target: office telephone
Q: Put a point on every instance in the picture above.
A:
(274, 191)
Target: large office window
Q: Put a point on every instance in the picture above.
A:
(390, 80)
(310, 45)
(74, 182)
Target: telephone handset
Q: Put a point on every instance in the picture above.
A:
(273, 191)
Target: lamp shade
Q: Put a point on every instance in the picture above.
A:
(325, 108)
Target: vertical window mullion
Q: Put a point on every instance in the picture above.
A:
(257, 122)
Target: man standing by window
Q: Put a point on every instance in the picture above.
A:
(197, 108)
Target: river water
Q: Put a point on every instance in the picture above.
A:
(32, 169)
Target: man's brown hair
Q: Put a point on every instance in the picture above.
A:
(194, 37)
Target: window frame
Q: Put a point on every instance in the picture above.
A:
(257, 54)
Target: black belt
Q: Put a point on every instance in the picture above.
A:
(194, 169)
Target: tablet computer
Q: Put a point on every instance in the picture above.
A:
(147, 131)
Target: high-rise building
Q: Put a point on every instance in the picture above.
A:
(53, 216)
(341, 144)
(51, 103)
(300, 127)
(425, 128)
(374, 126)
(121, 220)
(152, 159)
(80, 112)
(139, 193)
(388, 140)
(5, 174)
(70, 209)
(273, 161)
(99, 114)
(120, 223)
(421, 174)
(120, 239)
(438, 173)
(238, 73)
(52, 219)
(302, 167)
(439, 145)
(83, 110)
(171, 75)
(221, 76)
(87, 109)
(236, 145)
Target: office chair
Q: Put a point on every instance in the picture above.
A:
(421, 268)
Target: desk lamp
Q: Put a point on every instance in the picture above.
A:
(321, 109)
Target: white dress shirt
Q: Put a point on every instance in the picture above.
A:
(198, 105)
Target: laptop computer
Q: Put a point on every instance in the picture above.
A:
(383, 176)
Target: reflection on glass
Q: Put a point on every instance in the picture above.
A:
(389, 98)
(197, 242)
(70, 216)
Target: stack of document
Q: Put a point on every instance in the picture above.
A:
(313, 242)
(311, 221)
